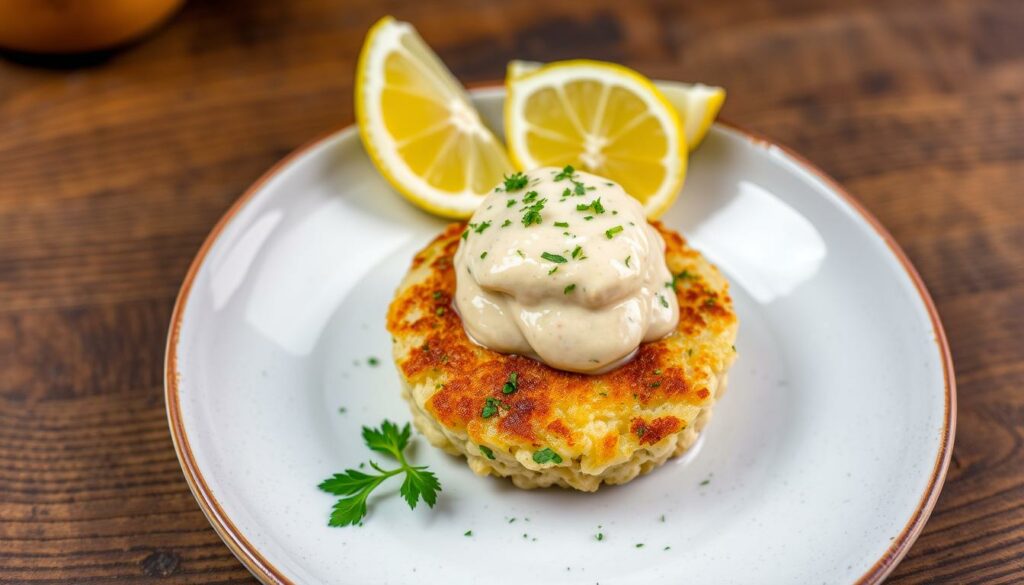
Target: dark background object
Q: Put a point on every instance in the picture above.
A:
(112, 174)
(57, 27)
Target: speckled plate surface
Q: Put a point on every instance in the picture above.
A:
(822, 462)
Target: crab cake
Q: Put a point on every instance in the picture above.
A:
(515, 417)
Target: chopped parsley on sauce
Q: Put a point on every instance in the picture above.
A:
(516, 181)
(610, 232)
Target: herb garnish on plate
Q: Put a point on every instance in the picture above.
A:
(357, 486)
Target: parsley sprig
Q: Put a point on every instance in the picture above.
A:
(357, 486)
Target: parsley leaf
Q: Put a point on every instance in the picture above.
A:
(487, 452)
(567, 173)
(357, 486)
(595, 205)
(481, 227)
(610, 232)
(546, 455)
(516, 181)
(490, 407)
(511, 385)
(568, 289)
(532, 213)
(388, 439)
(553, 258)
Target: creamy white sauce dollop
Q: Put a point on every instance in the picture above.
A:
(564, 269)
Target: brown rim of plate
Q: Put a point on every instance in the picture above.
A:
(268, 573)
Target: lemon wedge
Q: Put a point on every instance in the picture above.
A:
(603, 118)
(697, 104)
(419, 127)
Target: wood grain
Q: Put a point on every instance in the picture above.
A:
(114, 167)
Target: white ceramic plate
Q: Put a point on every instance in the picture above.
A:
(822, 462)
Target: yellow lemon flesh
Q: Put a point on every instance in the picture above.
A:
(603, 118)
(419, 127)
(697, 104)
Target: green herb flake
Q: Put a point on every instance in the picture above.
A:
(437, 295)
(520, 253)
(599, 536)
(440, 311)
(567, 173)
(568, 289)
(530, 196)
(562, 224)
(552, 271)
(483, 254)
(356, 486)
(627, 260)
(639, 545)
(705, 482)
(610, 232)
(516, 181)
(546, 455)
(468, 533)
(465, 234)
(510, 203)
(512, 384)
(577, 252)
(579, 189)
(553, 258)
(664, 301)
(487, 452)
(483, 226)
(490, 407)
(507, 223)
(532, 214)
(594, 205)
(372, 361)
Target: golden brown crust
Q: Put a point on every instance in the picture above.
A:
(653, 396)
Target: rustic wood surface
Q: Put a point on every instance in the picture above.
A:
(113, 168)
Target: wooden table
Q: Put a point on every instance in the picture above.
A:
(113, 171)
